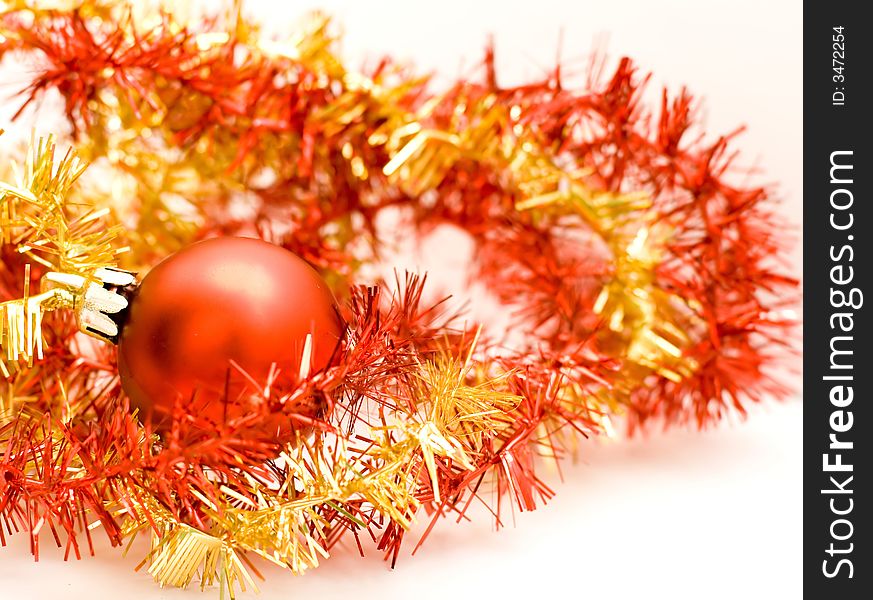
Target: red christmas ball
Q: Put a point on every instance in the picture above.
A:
(217, 301)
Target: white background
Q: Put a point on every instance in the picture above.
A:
(677, 515)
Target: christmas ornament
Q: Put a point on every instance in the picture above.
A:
(642, 284)
(211, 324)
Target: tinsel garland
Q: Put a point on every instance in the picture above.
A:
(644, 284)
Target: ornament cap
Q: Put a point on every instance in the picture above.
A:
(100, 302)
